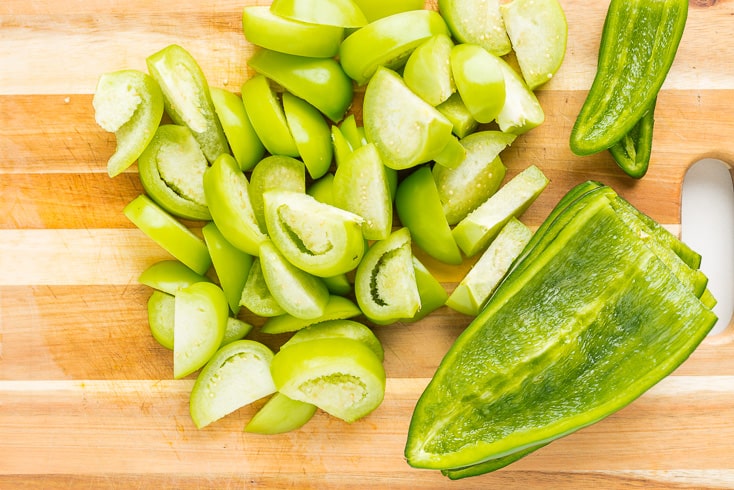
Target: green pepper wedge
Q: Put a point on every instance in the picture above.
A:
(638, 45)
(522, 376)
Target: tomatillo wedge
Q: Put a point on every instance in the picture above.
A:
(275, 172)
(419, 208)
(256, 295)
(186, 97)
(311, 134)
(231, 264)
(479, 79)
(385, 284)
(268, 30)
(430, 290)
(387, 42)
(244, 142)
(200, 319)
(538, 32)
(161, 312)
(428, 70)
(171, 169)
(236, 330)
(361, 186)
(479, 228)
(280, 414)
(319, 239)
(340, 13)
(319, 81)
(226, 189)
(128, 103)
(299, 293)
(341, 376)
(406, 129)
(474, 289)
(338, 329)
(265, 110)
(169, 276)
(477, 22)
(377, 9)
(337, 308)
(463, 188)
(456, 111)
(237, 375)
(522, 111)
(322, 189)
(169, 233)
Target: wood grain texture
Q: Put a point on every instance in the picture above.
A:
(86, 395)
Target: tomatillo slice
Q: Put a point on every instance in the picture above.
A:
(522, 111)
(340, 13)
(341, 376)
(256, 295)
(171, 169)
(299, 293)
(311, 134)
(161, 311)
(377, 9)
(406, 129)
(479, 80)
(385, 284)
(128, 103)
(275, 172)
(463, 188)
(268, 30)
(280, 414)
(456, 111)
(430, 290)
(169, 276)
(319, 81)
(337, 308)
(236, 330)
(474, 289)
(319, 239)
(187, 99)
(244, 142)
(322, 189)
(477, 22)
(354, 134)
(482, 225)
(265, 111)
(538, 32)
(237, 375)
(231, 264)
(337, 329)
(387, 42)
(227, 192)
(200, 318)
(361, 186)
(428, 70)
(419, 208)
(169, 233)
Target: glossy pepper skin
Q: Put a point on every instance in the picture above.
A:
(638, 45)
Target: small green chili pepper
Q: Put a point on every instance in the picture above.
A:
(638, 45)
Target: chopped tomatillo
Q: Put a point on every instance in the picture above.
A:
(385, 284)
(341, 376)
(128, 103)
(187, 98)
(317, 238)
(319, 81)
(171, 170)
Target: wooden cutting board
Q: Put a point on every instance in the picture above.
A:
(86, 395)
